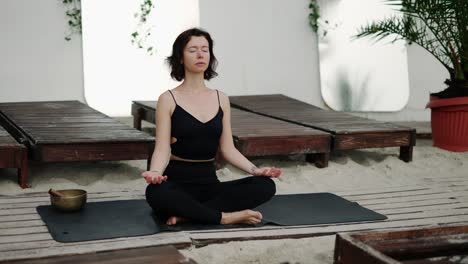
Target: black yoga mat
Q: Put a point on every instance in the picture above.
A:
(111, 219)
(100, 220)
(314, 209)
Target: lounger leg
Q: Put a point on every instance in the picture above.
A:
(150, 156)
(137, 119)
(406, 153)
(23, 171)
(320, 159)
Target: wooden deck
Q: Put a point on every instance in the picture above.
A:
(349, 132)
(13, 155)
(443, 202)
(24, 235)
(256, 135)
(72, 131)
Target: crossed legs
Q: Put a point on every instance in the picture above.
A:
(224, 202)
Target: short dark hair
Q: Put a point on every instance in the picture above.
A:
(177, 69)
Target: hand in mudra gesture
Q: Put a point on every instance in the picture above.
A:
(267, 171)
(153, 177)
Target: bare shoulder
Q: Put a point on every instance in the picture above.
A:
(165, 101)
(224, 99)
(165, 96)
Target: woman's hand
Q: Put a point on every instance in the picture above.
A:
(267, 171)
(153, 177)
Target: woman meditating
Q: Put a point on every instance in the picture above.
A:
(192, 123)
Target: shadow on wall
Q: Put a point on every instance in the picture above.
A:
(349, 98)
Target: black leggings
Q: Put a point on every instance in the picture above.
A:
(204, 203)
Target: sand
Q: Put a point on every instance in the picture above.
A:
(348, 170)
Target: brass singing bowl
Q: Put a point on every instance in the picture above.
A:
(72, 200)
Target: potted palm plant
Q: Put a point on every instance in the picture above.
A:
(441, 28)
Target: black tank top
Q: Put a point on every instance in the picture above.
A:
(195, 140)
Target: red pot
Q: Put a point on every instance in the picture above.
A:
(449, 121)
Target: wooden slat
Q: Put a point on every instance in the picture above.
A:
(259, 234)
(74, 125)
(27, 223)
(44, 197)
(422, 192)
(452, 259)
(423, 247)
(97, 151)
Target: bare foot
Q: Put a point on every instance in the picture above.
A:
(175, 220)
(241, 217)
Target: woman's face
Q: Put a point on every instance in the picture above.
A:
(196, 55)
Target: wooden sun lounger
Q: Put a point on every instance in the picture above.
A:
(349, 132)
(447, 244)
(13, 155)
(60, 131)
(256, 135)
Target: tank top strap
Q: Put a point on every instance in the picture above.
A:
(172, 96)
(217, 92)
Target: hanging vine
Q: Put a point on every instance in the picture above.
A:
(143, 30)
(314, 15)
(319, 26)
(139, 37)
(73, 13)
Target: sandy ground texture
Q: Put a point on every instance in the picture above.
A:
(348, 170)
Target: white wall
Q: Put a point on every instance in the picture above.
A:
(115, 71)
(263, 46)
(37, 63)
(426, 75)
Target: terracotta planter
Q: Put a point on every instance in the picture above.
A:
(449, 121)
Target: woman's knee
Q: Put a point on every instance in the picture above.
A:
(266, 186)
(156, 193)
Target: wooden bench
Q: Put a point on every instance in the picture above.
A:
(13, 155)
(448, 244)
(256, 135)
(349, 132)
(60, 131)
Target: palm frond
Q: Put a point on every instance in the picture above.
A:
(439, 26)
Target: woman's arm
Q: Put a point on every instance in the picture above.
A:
(162, 149)
(229, 151)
